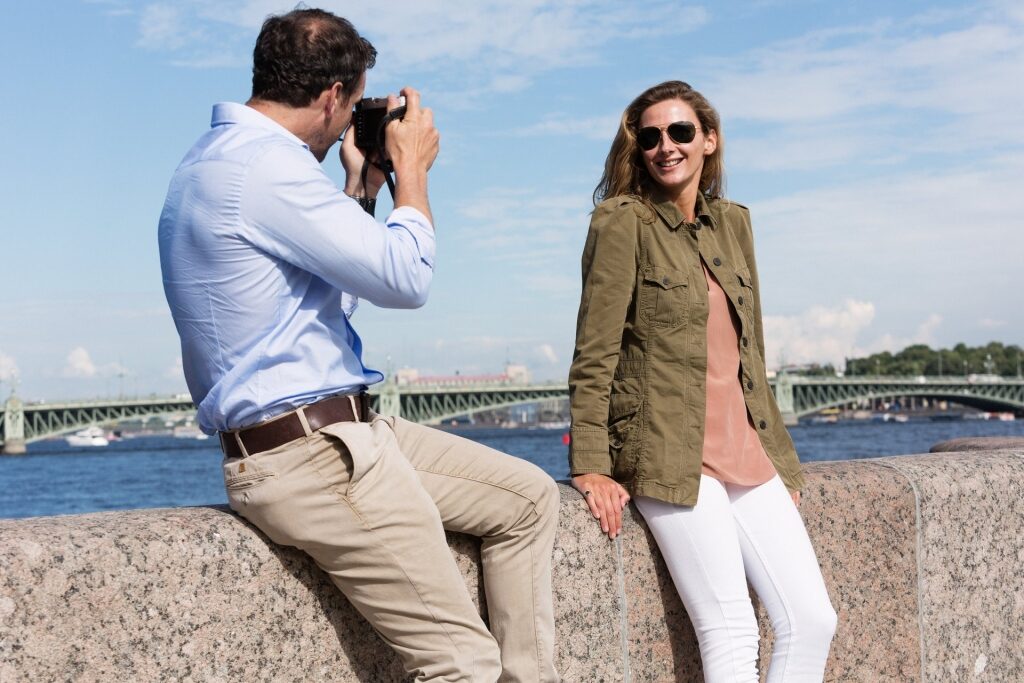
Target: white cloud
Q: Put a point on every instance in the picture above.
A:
(824, 334)
(594, 128)
(79, 364)
(475, 46)
(991, 323)
(164, 27)
(818, 335)
(547, 352)
(8, 368)
(879, 92)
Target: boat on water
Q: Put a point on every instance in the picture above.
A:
(890, 417)
(91, 437)
(189, 432)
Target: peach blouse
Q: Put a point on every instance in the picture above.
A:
(732, 450)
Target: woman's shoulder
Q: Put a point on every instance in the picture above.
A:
(730, 213)
(624, 209)
(728, 207)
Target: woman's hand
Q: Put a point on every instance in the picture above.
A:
(606, 498)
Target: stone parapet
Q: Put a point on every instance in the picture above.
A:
(922, 556)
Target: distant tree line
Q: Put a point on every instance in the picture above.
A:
(919, 359)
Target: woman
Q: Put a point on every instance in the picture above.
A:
(669, 398)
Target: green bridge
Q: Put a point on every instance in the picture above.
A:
(797, 396)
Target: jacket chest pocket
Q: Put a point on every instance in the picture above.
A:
(664, 297)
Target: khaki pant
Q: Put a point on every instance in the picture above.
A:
(369, 502)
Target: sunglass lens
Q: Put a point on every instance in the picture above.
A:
(648, 138)
(682, 132)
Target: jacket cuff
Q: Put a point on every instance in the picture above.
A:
(588, 452)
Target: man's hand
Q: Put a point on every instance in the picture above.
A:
(352, 159)
(606, 498)
(412, 144)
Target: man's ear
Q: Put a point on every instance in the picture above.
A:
(334, 99)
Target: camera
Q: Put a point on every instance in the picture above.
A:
(370, 117)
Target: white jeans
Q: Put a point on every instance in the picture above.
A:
(735, 534)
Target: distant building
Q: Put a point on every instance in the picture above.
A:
(516, 375)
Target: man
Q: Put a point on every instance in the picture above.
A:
(263, 259)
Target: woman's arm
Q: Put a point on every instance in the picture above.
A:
(609, 266)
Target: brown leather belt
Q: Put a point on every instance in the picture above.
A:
(288, 427)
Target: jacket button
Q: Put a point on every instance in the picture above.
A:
(717, 261)
(665, 280)
(750, 385)
(744, 342)
(762, 424)
(740, 300)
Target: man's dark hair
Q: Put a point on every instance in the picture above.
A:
(300, 54)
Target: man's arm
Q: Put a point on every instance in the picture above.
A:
(292, 210)
(412, 142)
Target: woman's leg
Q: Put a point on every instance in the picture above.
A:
(783, 570)
(702, 551)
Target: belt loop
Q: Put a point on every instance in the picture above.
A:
(300, 412)
(241, 444)
(355, 408)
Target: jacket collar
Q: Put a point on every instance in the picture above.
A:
(673, 217)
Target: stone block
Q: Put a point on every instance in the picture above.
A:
(970, 540)
(922, 557)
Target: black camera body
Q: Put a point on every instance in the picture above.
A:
(368, 117)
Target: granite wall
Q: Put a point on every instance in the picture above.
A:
(922, 555)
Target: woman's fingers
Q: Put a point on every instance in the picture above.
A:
(605, 497)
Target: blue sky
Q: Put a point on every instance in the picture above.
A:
(878, 146)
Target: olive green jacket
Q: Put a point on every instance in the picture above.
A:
(637, 381)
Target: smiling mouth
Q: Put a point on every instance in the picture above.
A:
(670, 163)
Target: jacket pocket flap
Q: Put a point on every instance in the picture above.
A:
(743, 275)
(666, 278)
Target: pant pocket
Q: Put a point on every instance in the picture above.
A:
(241, 474)
(363, 443)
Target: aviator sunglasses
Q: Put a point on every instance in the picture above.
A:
(681, 132)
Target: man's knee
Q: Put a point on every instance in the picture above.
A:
(545, 496)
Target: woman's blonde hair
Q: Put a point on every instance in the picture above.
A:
(624, 169)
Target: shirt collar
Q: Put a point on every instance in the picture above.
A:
(671, 214)
(225, 113)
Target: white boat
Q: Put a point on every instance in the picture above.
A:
(189, 432)
(91, 437)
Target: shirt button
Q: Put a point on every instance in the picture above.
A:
(744, 342)
(762, 424)
(664, 281)
(750, 385)
(740, 300)
(717, 261)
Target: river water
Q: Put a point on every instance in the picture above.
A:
(161, 471)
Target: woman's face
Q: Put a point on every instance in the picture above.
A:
(673, 165)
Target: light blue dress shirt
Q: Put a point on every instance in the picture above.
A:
(263, 259)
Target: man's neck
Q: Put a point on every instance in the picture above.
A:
(302, 122)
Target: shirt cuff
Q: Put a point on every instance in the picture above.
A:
(419, 227)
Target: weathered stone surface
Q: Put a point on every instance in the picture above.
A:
(971, 547)
(196, 594)
(588, 597)
(979, 443)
